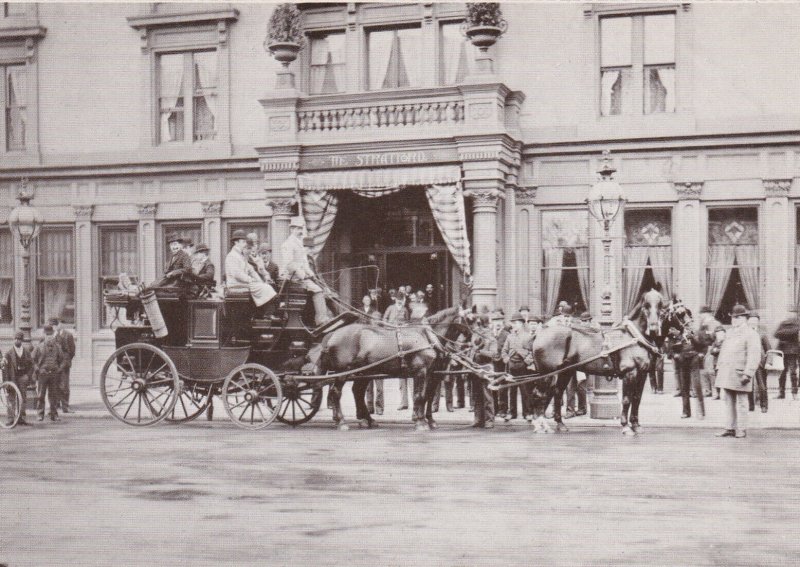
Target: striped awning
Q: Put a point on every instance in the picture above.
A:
(379, 179)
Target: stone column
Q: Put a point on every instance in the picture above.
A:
(85, 294)
(689, 241)
(147, 242)
(212, 229)
(484, 234)
(528, 258)
(281, 215)
(778, 254)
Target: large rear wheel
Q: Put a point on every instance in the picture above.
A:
(252, 395)
(139, 384)
(10, 405)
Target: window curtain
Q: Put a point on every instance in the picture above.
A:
(456, 63)
(747, 262)
(171, 80)
(582, 262)
(447, 206)
(720, 264)
(553, 262)
(635, 267)
(56, 296)
(17, 95)
(206, 77)
(661, 264)
(5, 292)
(611, 89)
(657, 92)
(319, 212)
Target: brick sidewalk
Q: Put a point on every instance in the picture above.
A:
(656, 410)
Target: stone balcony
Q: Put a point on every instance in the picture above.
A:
(410, 113)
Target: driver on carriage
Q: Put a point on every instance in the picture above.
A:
(295, 266)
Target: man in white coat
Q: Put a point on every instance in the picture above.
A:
(739, 358)
(294, 265)
(240, 276)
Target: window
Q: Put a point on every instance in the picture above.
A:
(187, 230)
(260, 228)
(648, 254)
(327, 67)
(12, 9)
(187, 96)
(119, 254)
(565, 262)
(395, 58)
(13, 93)
(6, 276)
(637, 64)
(457, 54)
(733, 260)
(55, 283)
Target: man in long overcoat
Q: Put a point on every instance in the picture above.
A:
(18, 368)
(67, 343)
(788, 335)
(738, 362)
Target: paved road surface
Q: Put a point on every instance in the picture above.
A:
(94, 492)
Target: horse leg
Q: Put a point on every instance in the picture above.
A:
(335, 396)
(419, 402)
(641, 378)
(561, 384)
(431, 390)
(362, 413)
(627, 399)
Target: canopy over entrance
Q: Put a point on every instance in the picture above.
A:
(319, 201)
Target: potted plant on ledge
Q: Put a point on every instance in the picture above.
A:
(484, 24)
(284, 34)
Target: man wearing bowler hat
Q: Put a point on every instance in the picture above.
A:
(178, 265)
(295, 266)
(202, 276)
(739, 358)
(48, 364)
(270, 271)
(18, 368)
(240, 275)
(66, 341)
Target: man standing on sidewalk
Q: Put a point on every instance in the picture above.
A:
(67, 343)
(48, 364)
(759, 392)
(788, 335)
(18, 369)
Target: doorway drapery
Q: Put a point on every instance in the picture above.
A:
(319, 201)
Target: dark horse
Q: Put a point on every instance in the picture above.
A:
(562, 346)
(358, 345)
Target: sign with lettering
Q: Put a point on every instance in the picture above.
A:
(378, 159)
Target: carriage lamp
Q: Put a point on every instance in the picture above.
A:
(25, 221)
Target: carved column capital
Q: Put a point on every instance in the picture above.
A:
(212, 208)
(777, 187)
(484, 200)
(281, 207)
(147, 210)
(83, 212)
(689, 189)
(525, 195)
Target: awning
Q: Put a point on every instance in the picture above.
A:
(379, 179)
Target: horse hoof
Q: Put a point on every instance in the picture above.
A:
(343, 427)
(637, 428)
(561, 428)
(420, 427)
(433, 425)
(628, 431)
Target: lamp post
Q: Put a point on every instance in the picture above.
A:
(25, 221)
(605, 200)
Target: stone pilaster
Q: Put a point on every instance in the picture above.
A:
(689, 241)
(212, 228)
(484, 234)
(281, 215)
(778, 254)
(147, 242)
(528, 249)
(84, 294)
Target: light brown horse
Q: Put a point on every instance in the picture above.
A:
(359, 345)
(561, 346)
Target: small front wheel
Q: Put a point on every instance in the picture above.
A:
(10, 405)
(252, 396)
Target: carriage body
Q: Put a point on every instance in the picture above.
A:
(208, 342)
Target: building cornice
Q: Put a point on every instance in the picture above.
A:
(689, 189)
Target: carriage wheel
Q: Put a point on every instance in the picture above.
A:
(139, 384)
(192, 402)
(300, 403)
(10, 405)
(251, 395)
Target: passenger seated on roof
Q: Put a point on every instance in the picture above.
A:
(201, 278)
(240, 276)
(177, 267)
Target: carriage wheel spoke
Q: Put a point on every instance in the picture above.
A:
(301, 409)
(238, 405)
(133, 366)
(122, 400)
(244, 411)
(111, 393)
(261, 412)
(159, 369)
(139, 410)
(252, 412)
(133, 401)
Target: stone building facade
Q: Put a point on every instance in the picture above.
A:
(133, 120)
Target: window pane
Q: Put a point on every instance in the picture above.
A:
(57, 299)
(615, 42)
(457, 54)
(205, 95)
(410, 40)
(615, 91)
(262, 230)
(379, 48)
(16, 8)
(118, 252)
(193, 231)
(16, 115)
(394, 58)
(659, 39)
(327, 64)
(55, 253)
(6, 277)
(659, 89)
(170, 72)
(6, 253)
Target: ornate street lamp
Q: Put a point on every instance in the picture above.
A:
(25, 222)
(605, 200)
